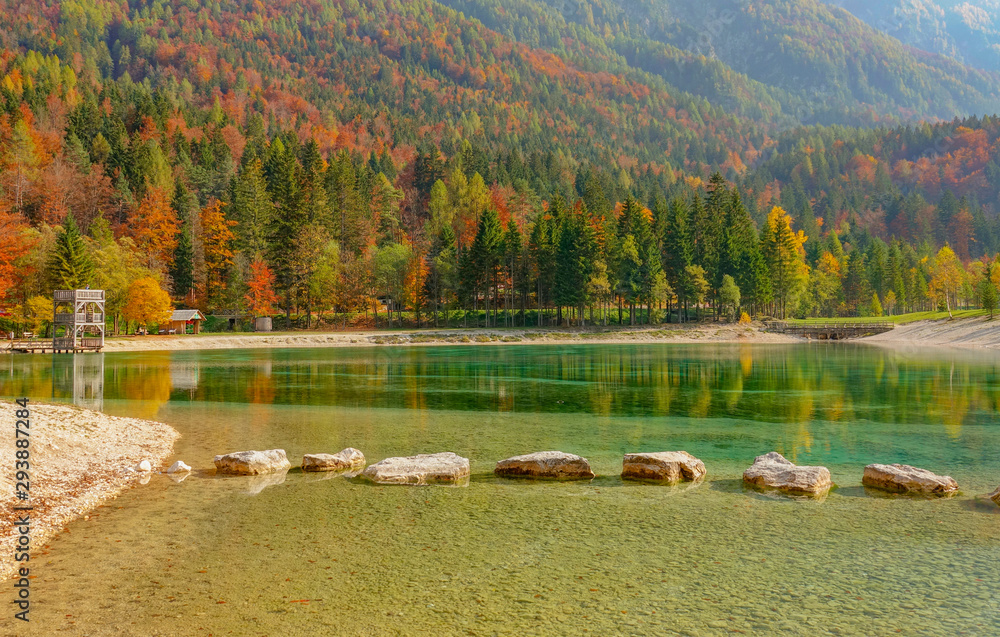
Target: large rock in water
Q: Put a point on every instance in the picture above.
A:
(345, 460)
(995, 496)
(421, 469)
(666, 466)
(546, 464)
(902, 478)
(774, 471)
(251, 463)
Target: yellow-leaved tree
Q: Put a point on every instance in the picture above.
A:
(786, 259)
(147, 303)
(946, 276)
(38, 312)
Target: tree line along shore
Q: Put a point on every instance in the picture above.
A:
(674, 263)
(555, 262)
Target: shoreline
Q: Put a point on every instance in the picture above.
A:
(966, 333)
(80, 459)
(670, 333)
(978, 333)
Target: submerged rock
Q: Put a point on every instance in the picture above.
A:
(344, 460)
(995, 496)
(774, 471)
(546, 464)
(178, 467)
(902, 478)
(444, 467)
(251, 463)
(144, 466)
(666, 466)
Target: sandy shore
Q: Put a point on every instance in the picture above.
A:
(700, 333)
(79, 458)
(977, 333)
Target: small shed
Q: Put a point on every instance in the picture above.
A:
(182, 319)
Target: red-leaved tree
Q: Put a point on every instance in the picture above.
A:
(260, 297)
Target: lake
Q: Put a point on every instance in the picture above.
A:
(327, 555)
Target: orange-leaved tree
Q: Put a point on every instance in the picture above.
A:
(414, 284)
(260, 296)
(17, 242)
(147, 302)
(155, 229)
(217, 239)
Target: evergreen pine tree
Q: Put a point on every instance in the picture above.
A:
(182, 269)
(348, 205)
(250, 205)
(574, 262)
(677, 247)
(513, 249)
(487, 252)
(70, 267)
(988, 290)
(542, 251)
(704, 241)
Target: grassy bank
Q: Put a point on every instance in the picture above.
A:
(898, 319)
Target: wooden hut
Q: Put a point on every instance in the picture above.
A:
(181, 319)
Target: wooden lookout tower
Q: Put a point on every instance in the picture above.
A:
(78, 320)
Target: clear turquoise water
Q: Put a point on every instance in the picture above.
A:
(233, 556)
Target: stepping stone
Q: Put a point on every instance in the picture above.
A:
(251, 463)
(345, 460)
(774, 471)
(546, 464)
(179, 467)
(902, 478)
(421, 469)
(664, 466)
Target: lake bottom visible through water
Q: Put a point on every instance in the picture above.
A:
(319, 554)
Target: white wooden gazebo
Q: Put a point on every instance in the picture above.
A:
(77, 320)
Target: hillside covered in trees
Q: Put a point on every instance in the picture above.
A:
(568, 161)
(789, 61)
(966, 30)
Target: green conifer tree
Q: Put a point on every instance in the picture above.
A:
(487, 252)
(70, 267)
(182, 269)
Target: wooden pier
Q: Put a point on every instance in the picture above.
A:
(43, 345)
(830, 331)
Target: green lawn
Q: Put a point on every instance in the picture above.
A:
(899, 319)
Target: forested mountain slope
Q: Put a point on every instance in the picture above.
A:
(328, 153)
(967, 30)
(803, 59)
(377, 74)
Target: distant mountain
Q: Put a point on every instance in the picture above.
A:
(967, 30)
(798, 60)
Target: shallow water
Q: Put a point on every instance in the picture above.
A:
(235, 556)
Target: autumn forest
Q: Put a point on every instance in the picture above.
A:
(379, 163)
